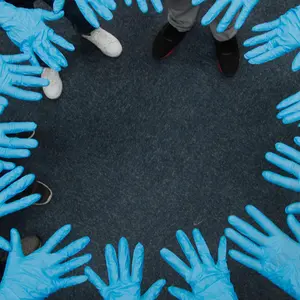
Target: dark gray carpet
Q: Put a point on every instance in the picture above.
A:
(138, 148)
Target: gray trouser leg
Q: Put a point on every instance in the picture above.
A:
(183, 15)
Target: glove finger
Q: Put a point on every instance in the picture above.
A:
(157, 4)
(202, 248)
(19, 204)
(137, 263)
(95, 280)
(88, 13)
(46, 58)
(142, 4)
(70, 281)
(110, 4)
(22, 94)
(58, 5)
(230, 14)
(214, 11)
(154, 291)
(244, 14)
(25, 70)
(128, 2)
(69, 266)
(5, 245)
(16, 58)
(188, 249)
(60, 41)
(180, 293)
(29, 81)
(296, 63)
(294, 225)
(2, 108)
(268, 56)
(175, 262)
(197, 2)
(124, 260)
(289, 101)
(3, 101)
(246, 260)
(292, 117)
(222, 252)
(56, 238)
(297, 140)
(10, 177)
(102, 11)
(7, 165)
(266, 26)
(16, 188)
(282, 181)
(283, 163)
(243, 242)
(247, 230)
(55, 54)
(293, 208)
(17, 127)
(14, 153)
(72, 249)
(263, 221)
(258, 51)
(111, 264)
(261, 39)
(51, 16)
(288, 151)
(16, 244)
(20, 144)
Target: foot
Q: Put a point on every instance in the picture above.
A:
(166, 41)
(54, 89)
(106, 42)
(228, 56)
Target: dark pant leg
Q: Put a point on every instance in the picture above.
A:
(74, 15)
(21, 3)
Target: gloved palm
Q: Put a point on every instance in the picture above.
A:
(26, 28)
(290, 109)
(15, 147)
(38, 275)
(207, 279)
(87, 7)
(291, 164)
(12, 75)
(273, 254)
(124, 284)
(10, 186)
(241, 7)
(143, 6)
(282, 36)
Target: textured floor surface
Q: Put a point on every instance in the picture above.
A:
(138, 148)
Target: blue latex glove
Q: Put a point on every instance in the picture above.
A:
(271, 253)
(87, 7)
(291, 165)
(290, 109)
(13, 147)
(26, 28)
(124, 282)
(280, 37)
(207, 279)
(243, 6)
(143, 6)
(38, 275)
(10, 186)
(293, 208)
(12, 75)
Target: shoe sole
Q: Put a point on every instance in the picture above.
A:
(49, 198)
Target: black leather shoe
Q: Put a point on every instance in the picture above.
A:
(228, 56)
(166, 41)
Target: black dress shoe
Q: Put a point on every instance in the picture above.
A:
(228, 56)
(166, 41)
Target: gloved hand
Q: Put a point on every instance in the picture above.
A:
(12, 74)
(290, 165)
(281, 36)
(290, 109)
(26, 28)
(10, 186)
(15, 147)
(124, 284)
(207, 279)
(142, 4)
(38, 275)
(102, 7)
(272, 253)
(293, 208)
(243, 6)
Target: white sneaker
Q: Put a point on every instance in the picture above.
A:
(105, 41)
(54, 89)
